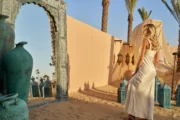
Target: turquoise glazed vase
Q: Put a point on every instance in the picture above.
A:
(47, 90)
(7, 37)
(41, 85)
(34, 88)
(13, 108)
(18, 65)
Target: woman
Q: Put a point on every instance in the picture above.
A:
(140, 95)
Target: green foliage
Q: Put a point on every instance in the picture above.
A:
(144, 14)
(130, 5)
(175, 10)
(37, 71)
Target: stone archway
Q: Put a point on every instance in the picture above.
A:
(56, 11)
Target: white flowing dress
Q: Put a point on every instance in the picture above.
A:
(140, 94)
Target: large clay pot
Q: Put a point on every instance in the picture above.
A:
(13, 108)
(18, 65)
(7, 37)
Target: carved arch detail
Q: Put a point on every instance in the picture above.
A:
(56, 11)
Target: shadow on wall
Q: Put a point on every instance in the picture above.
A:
(110, 67)
(87, 86)
(116, 84)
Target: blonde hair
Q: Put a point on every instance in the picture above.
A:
(149, 32)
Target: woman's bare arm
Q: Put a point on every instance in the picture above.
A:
(144, 46)
(156, 59)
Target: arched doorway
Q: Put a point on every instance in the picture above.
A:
(56, 11)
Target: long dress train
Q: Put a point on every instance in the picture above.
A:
(140, 94)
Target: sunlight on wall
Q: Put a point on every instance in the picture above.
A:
(32, 25)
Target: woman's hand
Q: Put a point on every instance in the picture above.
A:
(135, 72)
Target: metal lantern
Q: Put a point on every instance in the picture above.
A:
(165, 96)
(178, 96)
(122, 91)
(119, 58)
(157, 83)
(127, 58)
(132, 60)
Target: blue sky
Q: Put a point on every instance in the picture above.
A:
(32, 25)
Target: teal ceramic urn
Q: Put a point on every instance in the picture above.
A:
(121, 97)
(178, 96)
(34, 89)
(47, 89)
(164, 96)
(157, 83)
(13, 108)
(41, 85)
(7, 37)
(18, 65)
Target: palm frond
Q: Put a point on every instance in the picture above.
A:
(130, 5)
(144, 14)
(127, 5)
(149, 13)
(178, 9)
(140, 13)
(134, 2)
(173, 12)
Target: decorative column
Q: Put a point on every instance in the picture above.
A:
(61, 53)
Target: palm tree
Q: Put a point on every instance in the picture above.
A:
(144, 14)
(37, 72)
(175, 11)
(105, 4)
(130, 5)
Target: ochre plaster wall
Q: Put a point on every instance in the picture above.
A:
(90, 55)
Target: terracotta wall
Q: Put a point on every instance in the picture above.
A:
(90, 55)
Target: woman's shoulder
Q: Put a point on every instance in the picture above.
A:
(145, 41)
